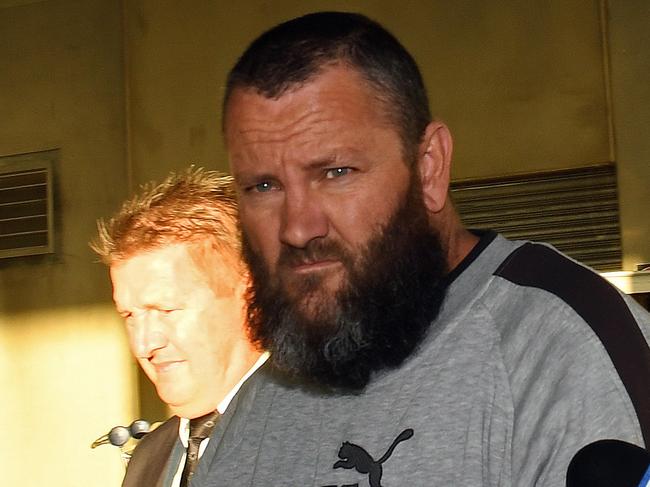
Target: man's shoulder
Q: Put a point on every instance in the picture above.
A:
(536, 285)
(534, 275)
(549, 307)
(541, 266)
(537, 293)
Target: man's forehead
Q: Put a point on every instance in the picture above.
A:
(336, 85)
(173, 258)
(281, 89)
(175, 266)
(332, 109)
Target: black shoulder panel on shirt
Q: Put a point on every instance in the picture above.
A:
(600, 305)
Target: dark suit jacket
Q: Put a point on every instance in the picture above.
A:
(148, 464)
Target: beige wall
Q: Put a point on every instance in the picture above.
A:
(127, 95)
(521, 87)
(66, 380)
(65, 370)
(629, 49)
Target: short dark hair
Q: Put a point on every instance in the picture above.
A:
(294, 52)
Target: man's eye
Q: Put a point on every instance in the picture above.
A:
(263, 187)
(337, 172)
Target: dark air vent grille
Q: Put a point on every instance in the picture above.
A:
(575, 210)
(25, 204)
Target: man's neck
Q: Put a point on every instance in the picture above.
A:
(457, 241)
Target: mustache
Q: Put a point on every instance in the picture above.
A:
(316, 250)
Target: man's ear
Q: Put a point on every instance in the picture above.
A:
(434, 165)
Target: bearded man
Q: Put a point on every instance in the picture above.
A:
(405, 349)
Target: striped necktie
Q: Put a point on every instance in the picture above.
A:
(200, 429)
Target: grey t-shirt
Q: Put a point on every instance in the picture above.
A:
(513, 378)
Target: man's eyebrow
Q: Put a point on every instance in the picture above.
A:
(338, 158)
(313, 164)
(322, 162)
(249, 179)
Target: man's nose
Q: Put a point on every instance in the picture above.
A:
(303, 219)
(148, 334)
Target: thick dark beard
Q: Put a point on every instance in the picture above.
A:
(375, 321)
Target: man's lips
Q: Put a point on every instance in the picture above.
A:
(167, 365)
(315, 266)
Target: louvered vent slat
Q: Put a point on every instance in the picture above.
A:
(575, 210)
(578, 196)
(26, 204)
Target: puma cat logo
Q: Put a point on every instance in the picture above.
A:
(353, 456)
